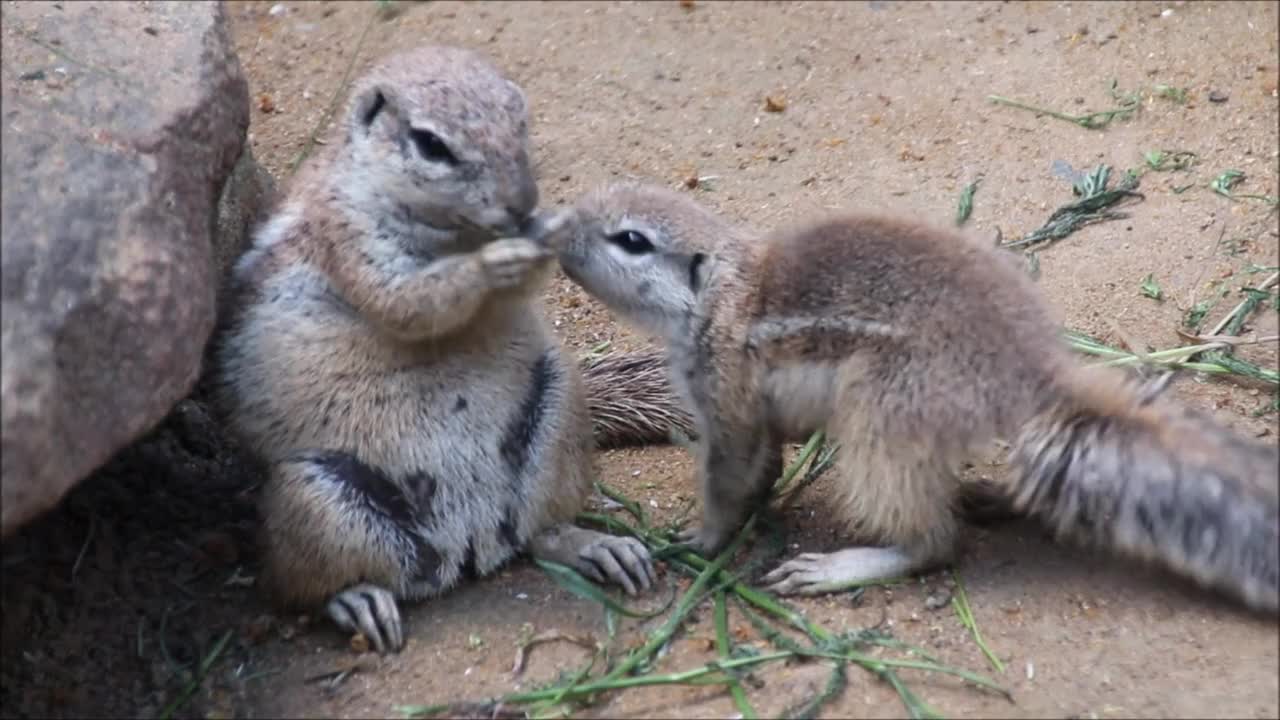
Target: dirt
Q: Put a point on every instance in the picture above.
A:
(109, 602)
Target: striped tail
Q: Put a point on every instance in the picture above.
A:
(1114, 464)
(632, 401)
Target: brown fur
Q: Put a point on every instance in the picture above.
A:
(915, 348)
(387, 355)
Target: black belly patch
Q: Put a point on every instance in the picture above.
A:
(369, 489)
(522, 430)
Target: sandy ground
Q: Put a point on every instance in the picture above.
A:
(138, 577)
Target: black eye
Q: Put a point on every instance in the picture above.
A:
(431, 147)
(631, 241)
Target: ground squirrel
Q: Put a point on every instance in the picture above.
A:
(384, 351)
(914, 347)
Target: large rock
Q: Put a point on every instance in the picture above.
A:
(122, 122)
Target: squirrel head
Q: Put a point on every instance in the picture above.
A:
(439, 137)
(647, 253)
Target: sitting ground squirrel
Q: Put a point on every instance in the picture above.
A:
(388, 358)
(914, 347)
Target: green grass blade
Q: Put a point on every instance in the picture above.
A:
(198, 676)
(571, 580)
(960, 601)
(965, 207)
(631, 506)
(724, 647)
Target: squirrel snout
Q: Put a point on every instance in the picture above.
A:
(521, 198)
(516, 212)
(505, 221)
(550, 228)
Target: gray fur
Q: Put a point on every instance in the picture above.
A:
(387, 355)
(914, 347)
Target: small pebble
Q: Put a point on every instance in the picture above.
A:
(938, 600)
(359, 643)
(1217, 96)
(1167, 12)
(1031, 671)
(277, 10)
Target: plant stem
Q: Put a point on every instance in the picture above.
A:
(724, 647)
(961, 604)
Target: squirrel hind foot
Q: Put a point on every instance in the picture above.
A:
(820, 573)
(371, 611)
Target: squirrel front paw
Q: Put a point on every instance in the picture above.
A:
(510, 261)
(705, 540)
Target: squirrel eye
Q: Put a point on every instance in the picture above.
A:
(431, 147)
(631, 241)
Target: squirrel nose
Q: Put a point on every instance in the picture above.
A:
(526, 198)
(509, 223)
(517, 206)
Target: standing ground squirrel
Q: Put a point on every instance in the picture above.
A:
(914, 347)
(388, 358)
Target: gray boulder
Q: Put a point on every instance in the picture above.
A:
(122, 124)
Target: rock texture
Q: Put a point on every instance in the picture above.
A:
(246, 198)
(122, 123)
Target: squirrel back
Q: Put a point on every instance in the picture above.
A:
(915, 346)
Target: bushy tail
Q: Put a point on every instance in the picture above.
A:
(632, 401)
(1113, 463)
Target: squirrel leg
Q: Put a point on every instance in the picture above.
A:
(599, 556)
(436, 298)
(900, 495)
(339, 532)
(737, 473)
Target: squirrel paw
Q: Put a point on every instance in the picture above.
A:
(621, 560)
(371, 611)
(509, 261)
(818, 573)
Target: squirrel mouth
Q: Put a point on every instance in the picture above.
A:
(567, 264)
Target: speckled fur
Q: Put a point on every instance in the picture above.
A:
(419, 417)
(915, 347)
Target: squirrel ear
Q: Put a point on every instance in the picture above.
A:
(368, 105)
